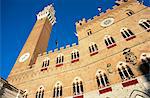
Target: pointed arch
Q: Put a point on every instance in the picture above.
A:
(93, 48)
(127, 33)
(109, 41)
(75, 56)
(59, 60)
(46, 62)
(57, 91)
(129, 12)
(124, 71)
(40, 92)
(77, 86)
(102, 79)
(25, 94)
(145, 23)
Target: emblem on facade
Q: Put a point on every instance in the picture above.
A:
(129, 56)
(109, 68)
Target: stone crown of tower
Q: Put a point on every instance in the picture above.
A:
(47, 12)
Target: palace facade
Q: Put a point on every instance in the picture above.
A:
(111, 60)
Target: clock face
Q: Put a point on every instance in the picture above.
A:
(24, 57)
(107, 22)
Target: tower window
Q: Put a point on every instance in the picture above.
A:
(145, 23)
(89, 32)
(125, 71)
(102, 80)
(129, 12)
(57, 90)
(109, 41)
(93, 49)
(127, 34)
(77, 87)
(74, 56)
(40, 92)
(59, 60)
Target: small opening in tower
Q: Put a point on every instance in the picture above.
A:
(80, 23)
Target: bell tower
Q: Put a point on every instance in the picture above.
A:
(37, 41)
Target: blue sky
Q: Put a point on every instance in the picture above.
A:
(18, 18)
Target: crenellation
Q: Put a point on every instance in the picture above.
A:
(74, 44)
(51, 51)
(62, 48)
(67, 46)
(47, 70)
(56, 50)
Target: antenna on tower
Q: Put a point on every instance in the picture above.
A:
(56, 42)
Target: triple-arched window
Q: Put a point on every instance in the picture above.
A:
(59, 60)
(127, 34)
(40, 92)
(124, 71)
(46, 62)
(109, 41)
(77, 86)
(129, 12)
(25, 94)
(89, 32)
(57, 90)
(145, 23)
(74, 56)
(93, 48)
(101, 78)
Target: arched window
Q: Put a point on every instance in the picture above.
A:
(127, 34)
(93, 49)
(74, 56)
(145, 23)
(57, 90)
(145, 63)
(89, 32)
(25, 94)
(40, 92)
(124, 71)
(102, 80)
(129, 12)
(109, 41)
(77, 87)
(59, 60)
(46, 62)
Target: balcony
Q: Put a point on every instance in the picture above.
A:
(129, 38)
(111, 45)
(60, 64)
(105, 90)
(78, 96)
(129, 83)
(75, 60)
(93, 53)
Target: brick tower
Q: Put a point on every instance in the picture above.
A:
(37, 41)
(111, 60)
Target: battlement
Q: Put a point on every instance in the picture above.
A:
(48, 12)
(82, 23)
(61, 49)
